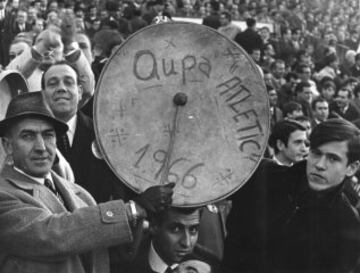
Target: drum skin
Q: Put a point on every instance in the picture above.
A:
(179, 102)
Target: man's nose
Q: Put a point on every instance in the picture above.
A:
(186, 239)
(321, 163)
(40, 143)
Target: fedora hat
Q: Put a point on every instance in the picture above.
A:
(30, 104)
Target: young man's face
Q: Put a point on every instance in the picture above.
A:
(342, 98)
(279, 70)
(306, 94)
(176, 236)
(321, 111)
(296, 149)
(327, 165)
(328, 93)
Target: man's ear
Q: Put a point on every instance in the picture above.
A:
(7, 145)
(80, 91)
(352, 168)
(153, 228)
(280, 145)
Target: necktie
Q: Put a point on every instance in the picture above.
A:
(169, 270)
(53, 189)
(64, 145)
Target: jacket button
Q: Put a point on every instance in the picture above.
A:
(109, 213)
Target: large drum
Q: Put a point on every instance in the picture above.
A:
(179, 102)
(12, 83)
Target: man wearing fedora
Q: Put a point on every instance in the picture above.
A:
(48, 224)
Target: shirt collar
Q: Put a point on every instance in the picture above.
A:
(279, 162)
(156, 263)
(40, 180)
(72, 126)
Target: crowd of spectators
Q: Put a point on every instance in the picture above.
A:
(307, 52)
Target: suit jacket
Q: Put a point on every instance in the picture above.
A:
(249, 40)
(5, 37)
(141, 261)
(38, 234)
(16, 28)
(91, 173)
(352, 113)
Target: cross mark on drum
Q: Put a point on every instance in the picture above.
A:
(169, 43)
(118, 136)
(224, 178)
(167, 129)
(236, 58)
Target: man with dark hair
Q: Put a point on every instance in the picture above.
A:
(327, 90)
(278, 69)
(355, 69)
(305, 74)
(304, 96)
(63, 92)
(213, 19)
(227, 28)
(292, 109)
(173, 236)
(320, 110)
(249, 38)
(288, 139)
(298, 219)
(343, 107)
(287, 90)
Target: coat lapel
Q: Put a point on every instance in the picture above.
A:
(68, 192)
(40, 193)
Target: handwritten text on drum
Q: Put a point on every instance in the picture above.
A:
(248, 127)
(147, 67)
(188, 181)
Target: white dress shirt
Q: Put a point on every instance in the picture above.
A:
(72, 126)
(40, 180)
(156, 263)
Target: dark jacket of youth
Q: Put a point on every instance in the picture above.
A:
(278, 224)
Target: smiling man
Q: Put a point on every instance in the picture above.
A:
(62, 92)
(300, 216)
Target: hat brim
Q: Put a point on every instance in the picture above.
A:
(59, 126)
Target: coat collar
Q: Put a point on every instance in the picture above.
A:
(67, 190)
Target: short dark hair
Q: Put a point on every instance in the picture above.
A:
(300, 86)
(63, 62)
(328, 83)
(316, 100)
(302, 118)
(290, 107)
(282, 131)
(159, 217)
(337, 130)
(250, 22)
(344, 89)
